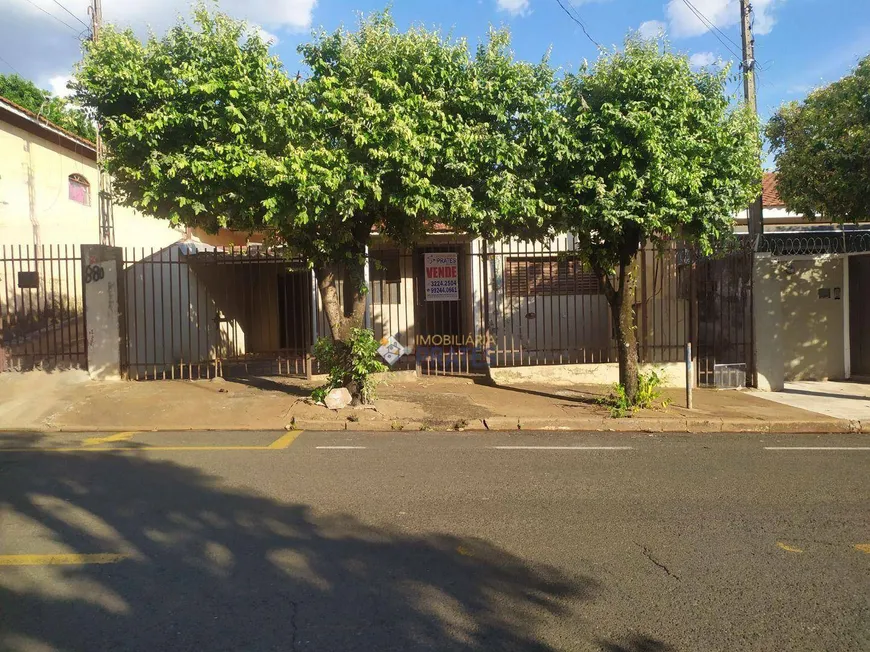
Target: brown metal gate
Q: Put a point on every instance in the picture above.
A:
(41, 308)
(724, 318)
(199, 312)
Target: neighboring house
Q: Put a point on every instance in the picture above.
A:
(49, 189)
(48, 209)
(811, 293)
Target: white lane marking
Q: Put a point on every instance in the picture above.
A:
(340, 448)
(562, 448)
(817, 448)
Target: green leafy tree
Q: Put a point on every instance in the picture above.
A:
(389, 131)
(29, 96)
(822, 150)
(655, 152)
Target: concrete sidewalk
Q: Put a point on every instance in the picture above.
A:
(69, 401)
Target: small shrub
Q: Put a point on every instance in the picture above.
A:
(353, 418)
(461, 424)
(648, 393)
(351, 364)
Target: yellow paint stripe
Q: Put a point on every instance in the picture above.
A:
(285, 441)
(782, 546)
(61, 560)
(282, 443)
(121, 436)
(863, 547)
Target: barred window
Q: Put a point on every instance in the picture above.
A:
(385, 277)
(79, 189)
(526, 276)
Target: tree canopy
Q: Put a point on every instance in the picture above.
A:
(822, 150)
(654, 152)
(389, 131)
(28, 95)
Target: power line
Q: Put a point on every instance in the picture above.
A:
(48, 13)
(11, 66)
(71, 14)
(712, 28)
(576, 18)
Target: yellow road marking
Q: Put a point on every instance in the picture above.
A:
(282, 443)
(285, 440)
(61, 560)
(121, 436)
(863, 547)
(783, 546)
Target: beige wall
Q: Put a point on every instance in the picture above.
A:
(799, 334)
(812, 327)
(35, 208)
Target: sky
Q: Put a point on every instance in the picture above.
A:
(800, 44)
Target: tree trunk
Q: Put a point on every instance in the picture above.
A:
(341, 322)
(621, 301)
(622, 309)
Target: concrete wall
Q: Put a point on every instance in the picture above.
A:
(674, 374)
(35, 208)
(799, 333)
(812, 326)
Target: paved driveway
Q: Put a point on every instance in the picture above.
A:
(843, 400)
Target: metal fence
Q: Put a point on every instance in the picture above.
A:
(195, 312)
(518, 303)
(453, 306)
(41, 309)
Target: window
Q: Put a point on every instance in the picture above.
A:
(79, 189)
(527, 276)
(385, 277)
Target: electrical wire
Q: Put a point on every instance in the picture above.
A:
(575, 16)
(11, 66)
(714, 30)
(88, 27)
(48, 13)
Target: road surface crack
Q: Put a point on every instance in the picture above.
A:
(648, 554)
(294, 607)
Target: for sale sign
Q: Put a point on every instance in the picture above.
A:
(442, 277)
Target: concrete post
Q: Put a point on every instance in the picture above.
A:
(103, 292)
(767, 306)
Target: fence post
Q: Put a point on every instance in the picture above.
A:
(689, 375)
(104, 303)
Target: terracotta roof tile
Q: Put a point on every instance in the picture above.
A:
(769, 195)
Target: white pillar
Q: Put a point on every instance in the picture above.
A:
(103, 292)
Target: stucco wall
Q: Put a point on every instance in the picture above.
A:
(799, 333)
(673, 374)
(812, 327)
(35, 208)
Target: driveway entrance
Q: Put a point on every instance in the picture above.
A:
(843, 400)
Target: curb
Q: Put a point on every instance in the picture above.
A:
(508, 424)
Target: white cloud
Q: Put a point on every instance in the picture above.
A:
(266, 37)
(514, 7)
(703, 59)
(651, 29)
(39, 46)
(57, 85)
(721, 13)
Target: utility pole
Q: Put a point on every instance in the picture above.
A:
(755, 219)
(106, 217)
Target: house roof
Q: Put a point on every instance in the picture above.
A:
(16, 115)
(769, 195)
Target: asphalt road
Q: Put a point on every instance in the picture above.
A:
(428, 541)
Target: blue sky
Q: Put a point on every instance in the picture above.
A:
(800, 43)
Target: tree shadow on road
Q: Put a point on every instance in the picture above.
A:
(216, 567)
